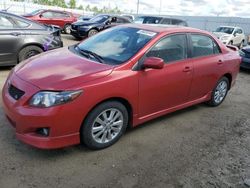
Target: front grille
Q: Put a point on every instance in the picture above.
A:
(15, 93)
(74, 27)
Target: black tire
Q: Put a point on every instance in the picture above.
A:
(213, 101)
(92, 32)
(241, 44)
(86, 133)
(28, 52)
(66, 28)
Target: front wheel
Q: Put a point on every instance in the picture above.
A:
(104, 125)
(92, 32)
(220, 92)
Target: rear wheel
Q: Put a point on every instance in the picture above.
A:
(28, 52)
(104, 125)
(67, 29)
(220, 92)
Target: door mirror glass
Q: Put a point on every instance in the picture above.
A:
(153, 63)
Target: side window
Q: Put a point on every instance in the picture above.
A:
(60, 15)
(119, 20)
(240, 31)
(6, 23)
(21, 24)
(203, 46)
(166, 21)
(172, 48)
(48, 14)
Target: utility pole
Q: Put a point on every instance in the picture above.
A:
(160, 7)
(138, 3)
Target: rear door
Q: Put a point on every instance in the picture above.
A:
(207, 63)
(11, 38)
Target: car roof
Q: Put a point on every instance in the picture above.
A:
(161, 28)
(148, 16)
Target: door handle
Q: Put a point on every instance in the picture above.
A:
(187, 69)
(220, 62)
(15, 33)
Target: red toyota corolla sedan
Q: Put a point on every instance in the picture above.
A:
(91, 92)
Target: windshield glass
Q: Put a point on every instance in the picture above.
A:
(117, 45)
(99, 19)
(35, 12)
(228, 30)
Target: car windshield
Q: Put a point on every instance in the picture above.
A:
(35, 12)
(117, 45)
(99, 19)
(228, 30)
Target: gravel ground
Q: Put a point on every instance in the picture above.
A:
(195, 147)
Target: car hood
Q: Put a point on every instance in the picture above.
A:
(60, 69)
(220, 34)
(85, 23)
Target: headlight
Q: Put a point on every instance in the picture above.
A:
(241, 53)
(45, 99)
(225, 37)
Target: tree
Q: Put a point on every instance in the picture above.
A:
(81, 7)
(72, 3)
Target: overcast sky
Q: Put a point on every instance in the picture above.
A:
(240, 8)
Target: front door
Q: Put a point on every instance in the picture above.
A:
(168, 87)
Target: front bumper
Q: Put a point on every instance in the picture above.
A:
(27, 120)
(79, 32)
(245, 63)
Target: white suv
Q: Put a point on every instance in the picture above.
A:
(231, 35)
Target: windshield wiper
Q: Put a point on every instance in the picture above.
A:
(88, 53)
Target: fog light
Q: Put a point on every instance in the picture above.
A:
(43, 131)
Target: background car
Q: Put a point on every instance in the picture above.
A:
(81, 29)
(21, 38)
(245, 54)
(159, 20)
(231, 35)
(62, 19)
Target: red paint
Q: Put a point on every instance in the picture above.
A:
(61, 22)
(150, 92)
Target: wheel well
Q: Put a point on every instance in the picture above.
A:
(95, 28)
(65, 25)
(229, 77)
(122, 101)
(26, 45)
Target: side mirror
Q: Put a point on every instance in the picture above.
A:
(153, 63)
(40, 15)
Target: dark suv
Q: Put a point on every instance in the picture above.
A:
(21, 38)
(81, 29)
(159, 20)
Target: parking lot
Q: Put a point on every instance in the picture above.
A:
(196, 147)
